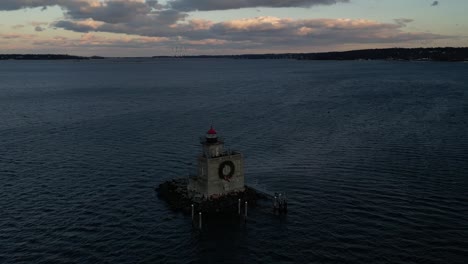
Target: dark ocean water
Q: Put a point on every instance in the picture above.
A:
(373, 157)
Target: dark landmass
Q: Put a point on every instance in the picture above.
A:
(415, 54)
(401, 54)
(45, 57)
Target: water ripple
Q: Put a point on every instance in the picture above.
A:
(374, 166)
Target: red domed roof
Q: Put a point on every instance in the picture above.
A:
(211, 131)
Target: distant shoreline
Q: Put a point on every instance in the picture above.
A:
(398, 54)
(45, 57)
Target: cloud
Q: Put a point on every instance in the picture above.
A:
(264, 31)
(403, 21)
(147, 18)
(17, 36)
(435, 3)
(91, 40)
(116, 11)
(146, 24)
(206, 5)
(78, 26)
(111, 11)
(282, 32)
(122, 10)
(19, 4)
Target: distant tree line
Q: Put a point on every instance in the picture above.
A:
(429, 54)
(422, 54)
(44, 57)
(433, 54)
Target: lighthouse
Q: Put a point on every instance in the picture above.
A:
(220, 171)
(219, 184)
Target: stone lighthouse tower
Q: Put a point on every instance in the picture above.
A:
(220, 172)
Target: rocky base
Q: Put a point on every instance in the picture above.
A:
(175, 193)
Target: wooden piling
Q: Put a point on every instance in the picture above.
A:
(193, 212)
(200, 220)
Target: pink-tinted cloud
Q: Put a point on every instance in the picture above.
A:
(17, 36)
(273, 32)
(149, 24)
(94, 40)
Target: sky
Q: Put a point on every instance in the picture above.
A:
(130, 28)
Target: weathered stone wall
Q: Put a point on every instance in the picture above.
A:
(208, 182)
(220, 186)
